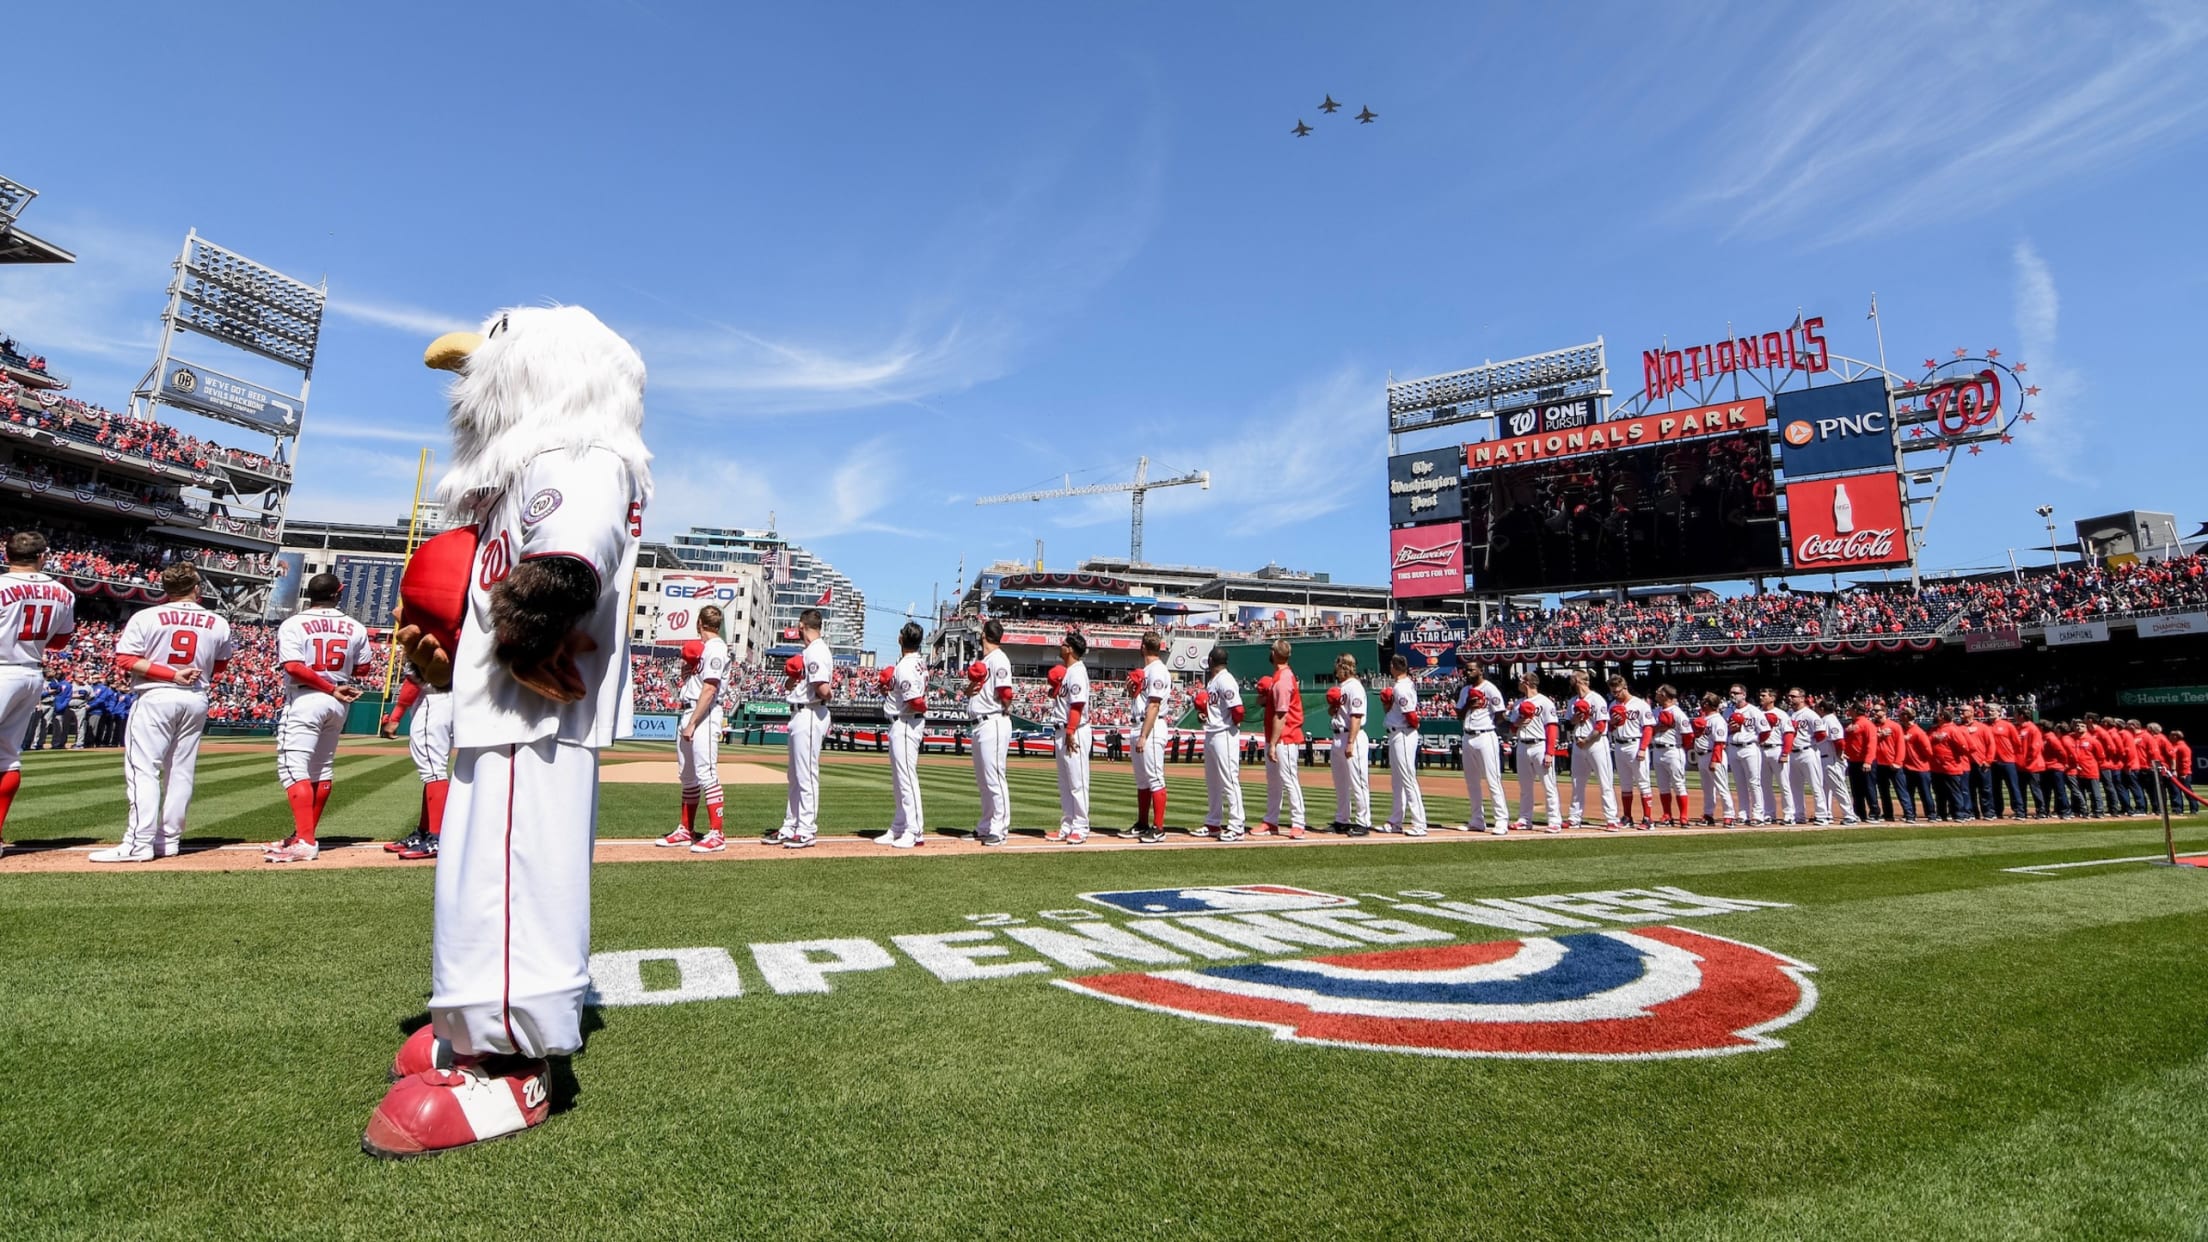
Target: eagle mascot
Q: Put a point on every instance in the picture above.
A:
(521, 614)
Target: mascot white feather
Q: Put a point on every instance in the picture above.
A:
(550, 468)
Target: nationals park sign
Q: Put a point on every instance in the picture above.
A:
(1642, 432)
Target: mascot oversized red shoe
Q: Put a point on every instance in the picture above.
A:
(521, 614)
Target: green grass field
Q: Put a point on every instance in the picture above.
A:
(1991, 1055)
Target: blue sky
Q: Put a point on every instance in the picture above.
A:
(882, 260)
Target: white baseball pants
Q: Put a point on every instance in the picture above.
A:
(698, 760)
(1778, 785)
(160, 760)
(992, 738)
(1483, 778)
(306, 738)
(1591, 762)
(1805, 777)
(1747, 764)
(510, 957)
(20, 687)
(1283, 792)
(1357, 766)
(1149, 759)
(1073, 779)
(1535, 764)
(905, 734)
(1223, 779)
(1408, 809)
(1717, 786)
(1668, 769)
(429, 737)
(801, 810)
(1839, 802)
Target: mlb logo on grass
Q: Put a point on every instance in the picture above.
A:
(1217, 899)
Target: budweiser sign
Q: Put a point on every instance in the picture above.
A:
(1854, 521)
(1427, 560)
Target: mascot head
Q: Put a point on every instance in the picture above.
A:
(535, 380)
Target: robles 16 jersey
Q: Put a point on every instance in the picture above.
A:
(327, 642)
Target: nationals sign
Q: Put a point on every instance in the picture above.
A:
(1624, 433)
(1852, 522)
(1426, 560)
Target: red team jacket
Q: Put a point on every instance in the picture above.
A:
(1951, 750)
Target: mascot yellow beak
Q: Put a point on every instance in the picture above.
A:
(450, 351)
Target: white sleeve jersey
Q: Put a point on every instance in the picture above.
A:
(1533, 716)
(180, 636)
(1406, 702)
(34, 610)
(584, 506)
(820, 670)
(1479, 705)
(1834, 730)
(986, 701)
(1354, 705)
(1712, 731)
(1806, 725)
(1073, 692)
(910, 682)
(1226, 695)
(1640, 716)
(1774, 725)
(711, 670)
(1157, 684)
(327, 642)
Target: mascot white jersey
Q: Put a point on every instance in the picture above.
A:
(551, 467)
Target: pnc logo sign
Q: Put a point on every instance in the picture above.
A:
(1836, 428)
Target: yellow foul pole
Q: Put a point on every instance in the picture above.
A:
(413, 529)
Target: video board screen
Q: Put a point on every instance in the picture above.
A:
(1672, 511)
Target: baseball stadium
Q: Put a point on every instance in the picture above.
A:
(454, 785)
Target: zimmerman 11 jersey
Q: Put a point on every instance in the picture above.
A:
(327, 642)
(180, 636)
(35, 612)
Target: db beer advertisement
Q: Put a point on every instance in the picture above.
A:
(1851, 522)
(1426, 560)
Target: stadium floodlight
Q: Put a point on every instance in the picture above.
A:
(222, 294)
(1477, 392)
(13, 196)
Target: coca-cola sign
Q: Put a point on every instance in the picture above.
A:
(1427, 560)
(1851, 522)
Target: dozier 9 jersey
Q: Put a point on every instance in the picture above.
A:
(180, 636)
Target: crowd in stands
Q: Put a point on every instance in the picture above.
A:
(76, 551)
(139, 437)
(2085, 593)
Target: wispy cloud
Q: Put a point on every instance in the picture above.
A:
(341, 428)
(1914, 113)
(2058, 434)
(398, 316)
(850, 498)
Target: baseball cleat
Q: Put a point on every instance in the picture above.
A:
(1230, 835)
(425, 848)
(1414, 832)
(1151, 836)
(774, 836)
(3, 849)
(996, 839)
(291, 851)
(1293, 832)
(119, 854)
(902, 843)
(1263, 830)
(711, 843)
(676, 839)
(1062, 835)
(1202, 830)
(1357, 830)
(421, 1052)
(1501, 830)
(447, 1109)
(797, 843)
(393, 847)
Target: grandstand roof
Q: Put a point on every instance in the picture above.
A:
(1097, 598)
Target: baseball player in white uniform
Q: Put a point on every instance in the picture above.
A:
(1670, 731)
(322, 652)
(1631, 719)
(429, 744)
(1221, 703)
(550, 466)
(1533, 720)
(1347, 705)
(37, 615)
(907, 705)
(1479, 708)
(989, 699)
(809, 680)
(1588, 719)
(1776, 734)
(1069, 714)
(1407, 812)
(1149, 751)
(1744, 725)
(1710, 734)
(1806, 759)
(172, 652)
(1839, 800)
(1283, 699)
(698, 746)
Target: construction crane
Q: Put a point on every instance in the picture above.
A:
(1140, 485)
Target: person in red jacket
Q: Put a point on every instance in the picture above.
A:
(2055, 774)
(2146, 796)
(1894, 802)
(1916, 764)
(1859, 748)
(2006, 777)
(1978, 741)
(2181, 758)
(1953, 760)
(2091, 798)
(2031, 759)
(2110, 761)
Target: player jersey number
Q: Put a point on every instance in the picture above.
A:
(329, 655)
(38, 621)
(183, 647)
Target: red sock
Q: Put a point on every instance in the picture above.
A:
(713, 814)
(689, 810)
(1142, 808)
(1157, 807)
(300, 794)
(9, 781)
(1663, 801)
(433, 801)
(321, 799)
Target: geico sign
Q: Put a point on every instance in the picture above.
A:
(1862, 545)
(1802, 432)
(676, 591)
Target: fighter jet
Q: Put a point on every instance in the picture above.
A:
(1329, 105)
(1301, 129)
(1367, 117)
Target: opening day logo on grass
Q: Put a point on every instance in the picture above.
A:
(1579, 989)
